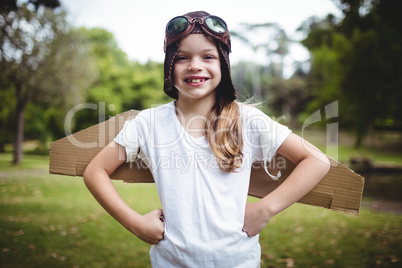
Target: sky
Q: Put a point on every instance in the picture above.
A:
(139, 26)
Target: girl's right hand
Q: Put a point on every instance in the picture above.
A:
(148, 227)
(151, 228)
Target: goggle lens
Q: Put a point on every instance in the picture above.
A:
(216, 24)
(177, 25)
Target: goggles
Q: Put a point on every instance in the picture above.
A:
(181, 26)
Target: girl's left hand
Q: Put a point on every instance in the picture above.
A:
(255, 219)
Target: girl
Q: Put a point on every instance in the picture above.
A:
(200, 149)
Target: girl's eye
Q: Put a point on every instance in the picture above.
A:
(181, 58)
(209, 57)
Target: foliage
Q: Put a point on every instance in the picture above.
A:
(121, 85)
(252, 80)
(112, 81)
(357, 61)
(280, 96)
(41, 60)
(275, 44)
(6, 115)
(48, 68)
(147, 86)
(12, 5)
(290, 97)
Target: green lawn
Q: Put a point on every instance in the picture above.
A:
(53, 221)
(381, 149)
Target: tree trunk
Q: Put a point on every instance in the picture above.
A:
(19, 130)
(19, 135)
(292, 113)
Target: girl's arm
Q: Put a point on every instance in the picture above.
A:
(148, 227)
(311, 167)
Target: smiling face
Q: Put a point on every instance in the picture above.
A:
(197, 68)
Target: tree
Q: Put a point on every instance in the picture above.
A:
(111, 86)
(289, 96)
(146, 86)
(372, 64)
(275, 46)
(358, 61)
(267, 82)
(121, 85)
(326, 73)
(6, 114)
(37, 58)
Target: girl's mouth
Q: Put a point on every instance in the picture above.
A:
(197, 80)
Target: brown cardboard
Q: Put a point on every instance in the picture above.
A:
(340, 190)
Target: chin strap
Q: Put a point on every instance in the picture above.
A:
(265, 141)
(275, 178)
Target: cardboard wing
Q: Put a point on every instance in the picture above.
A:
(340, 190)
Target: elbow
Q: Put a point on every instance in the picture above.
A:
(93, 174)
(327, 164)
(323, 164)
(325, 169)
(87, 175)
(319, 162)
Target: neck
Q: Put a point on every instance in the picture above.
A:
(193, 116)
(191, 108)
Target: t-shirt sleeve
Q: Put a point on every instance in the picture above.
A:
(272, 135)
(264, 135)
(128, 138)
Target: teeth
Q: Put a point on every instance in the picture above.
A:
(196, 80)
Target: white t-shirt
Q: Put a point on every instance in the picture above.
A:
(203, 206)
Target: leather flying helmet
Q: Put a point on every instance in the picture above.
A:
(199, 22)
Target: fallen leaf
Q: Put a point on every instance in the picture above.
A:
(19, 233)
(299, 229)
(289, 262)
(63, 258)
(268, 256)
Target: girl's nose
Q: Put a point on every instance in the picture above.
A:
(194, 65)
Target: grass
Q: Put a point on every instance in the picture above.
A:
(53, 221)
(314, 237)
(381, 149)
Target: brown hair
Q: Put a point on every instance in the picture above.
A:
(224, 133)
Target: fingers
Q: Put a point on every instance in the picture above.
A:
(155, 226)
(253, 221)
(250, 233)
(244, 231)
(159, 213)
